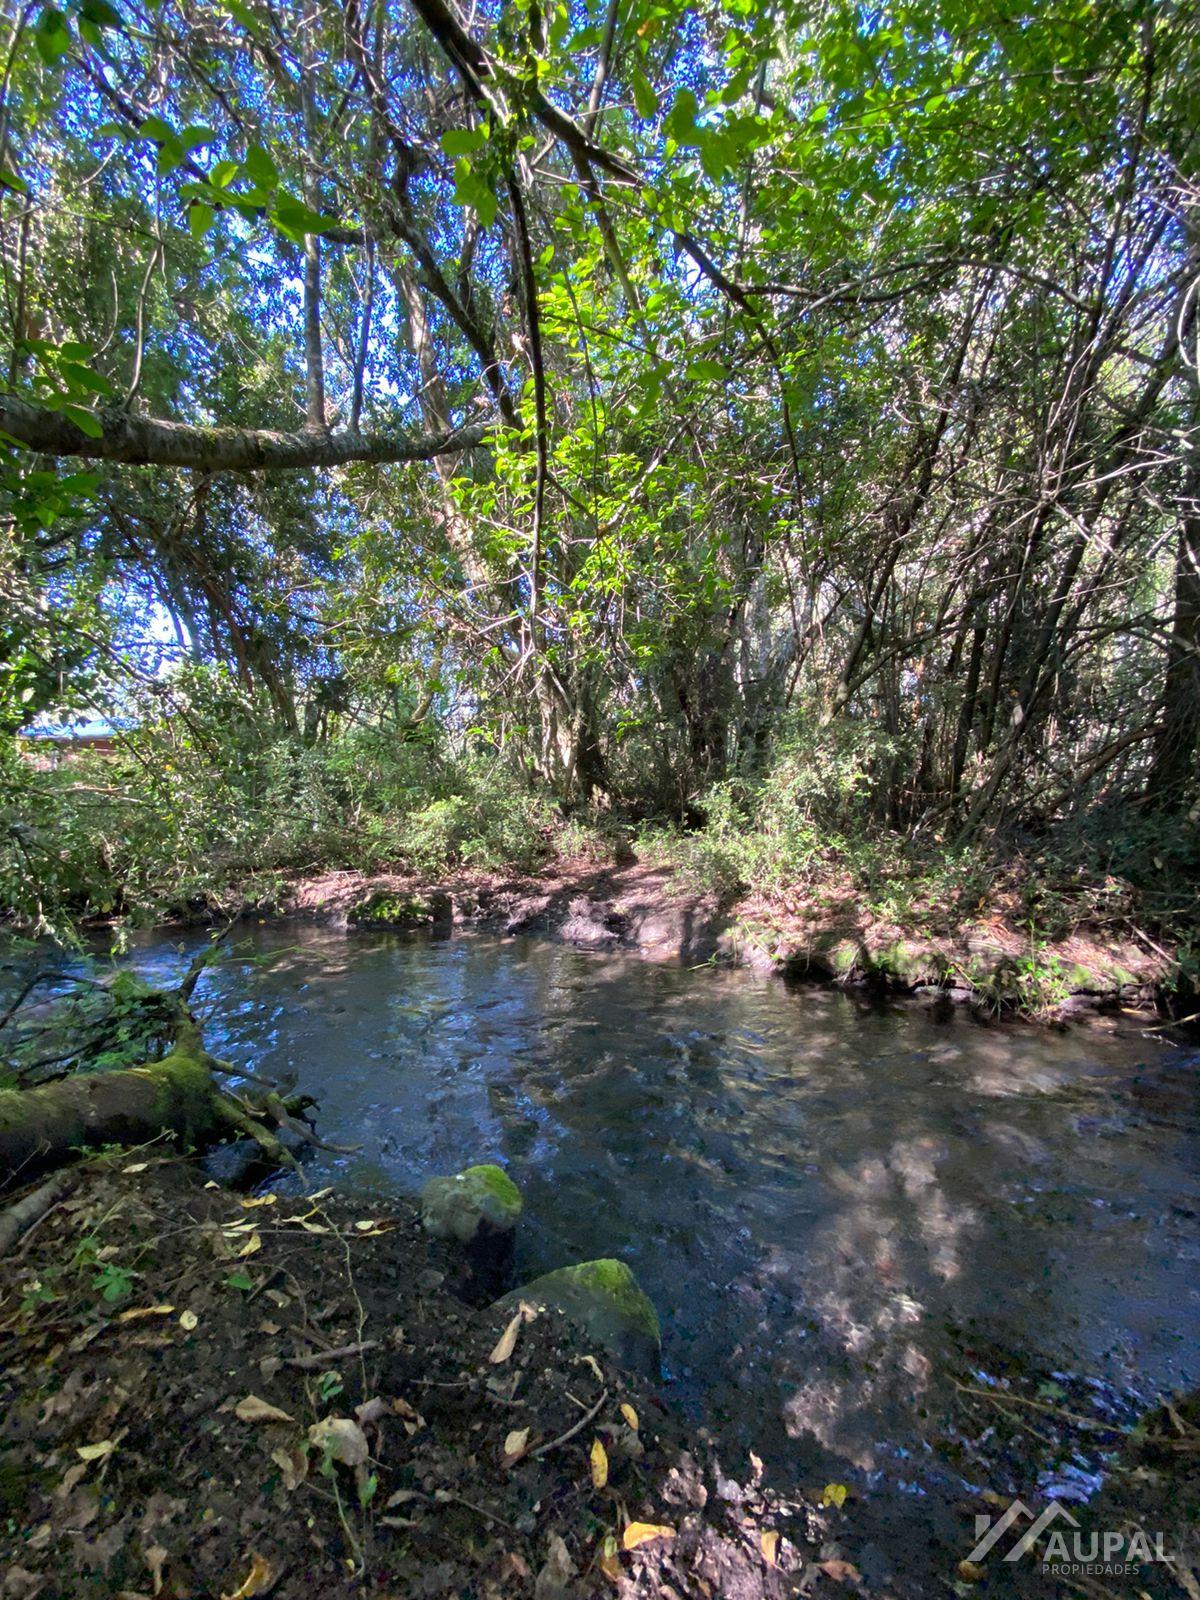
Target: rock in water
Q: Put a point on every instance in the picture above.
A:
(478, 1200)
(478, 1208)
(603, 1298)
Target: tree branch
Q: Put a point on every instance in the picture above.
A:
(148, 442)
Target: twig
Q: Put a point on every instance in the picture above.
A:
(322, 1358)
(544, 1449)
(1039, 1405)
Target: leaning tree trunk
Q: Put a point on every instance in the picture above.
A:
(178, 1096)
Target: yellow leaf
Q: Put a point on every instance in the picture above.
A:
(258, 1200)
(599, 1460)
(834, 1494)
(514, 1445)
(507, 1341)
(252, 1409)
(93, 1452)
(642, 1532)
(252, 1246)
(630, 1415)
(137, 1166)
(311, 1227)
(770, 1544)
(188, 1320)
(590, 1361)
(257, 1581)
(365, 1224)
(136, 1313)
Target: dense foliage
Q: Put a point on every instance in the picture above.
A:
(767, 412)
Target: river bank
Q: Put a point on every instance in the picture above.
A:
(987, 961)
(211, 1393)
(208, 1392)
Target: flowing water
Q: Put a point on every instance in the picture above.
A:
(833, 1207)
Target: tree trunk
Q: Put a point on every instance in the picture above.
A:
(1174, 764)
(179, 1096)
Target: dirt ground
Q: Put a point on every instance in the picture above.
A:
(207, 1393)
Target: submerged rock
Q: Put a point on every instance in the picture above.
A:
(604, 1299)
(478, 1201)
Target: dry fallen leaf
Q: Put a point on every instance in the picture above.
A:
(413, 1420)
(258, 1200)
(770, 1545)
(590, 1361)
(630, 1415)
(156, 1558)
(257, 1581)
(293, 1464)
(642, 1532)
(507, 1341)
(599, 1464)
(136, 1166)
(514, 1446)
(252, 1409)
(970, 1572)
(93, 1452)
(188, 1320)
(840, 1571)
(342, 1439)
(252, 1245)
(365, 1224)
(136, 1313)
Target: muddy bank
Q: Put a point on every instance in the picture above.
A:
(648, 910)
(207, 1393)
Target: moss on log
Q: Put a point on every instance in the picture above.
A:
(177, 1096)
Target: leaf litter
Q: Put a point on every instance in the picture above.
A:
(374, 1437)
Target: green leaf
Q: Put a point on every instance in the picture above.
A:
(259, 167)
(644, 97)
(100, 13)
(295, 220)
(84, 421)
(200, 219)
(681, 121)
(472, 191)
(240, 1280)
(53, 36)
(704, 370)
(461, 141)
(155, 128)
(192, 138)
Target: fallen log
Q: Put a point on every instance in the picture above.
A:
(178, 1096)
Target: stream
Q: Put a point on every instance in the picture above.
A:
(837, 1208)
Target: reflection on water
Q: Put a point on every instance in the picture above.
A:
(812, 1194)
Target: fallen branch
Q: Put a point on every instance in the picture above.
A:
(26, 1213)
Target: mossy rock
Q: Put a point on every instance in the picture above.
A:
(604, 1300)
(479, 1201)
(904, 963)
(385, 909)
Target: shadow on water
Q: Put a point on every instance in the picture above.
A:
(836, 1208)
